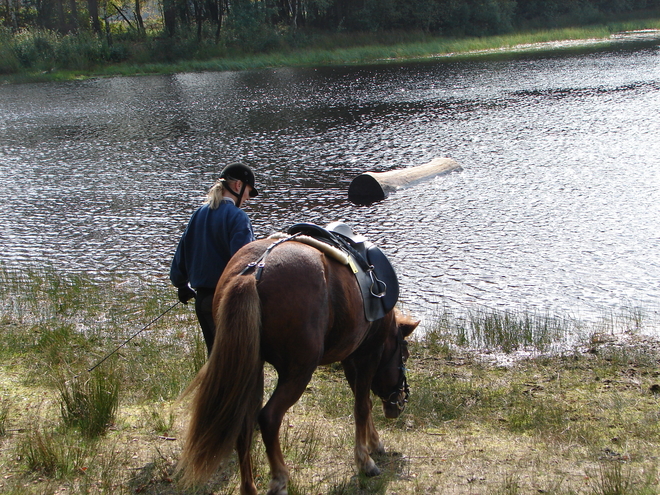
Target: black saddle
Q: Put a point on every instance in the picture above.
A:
(374, 272)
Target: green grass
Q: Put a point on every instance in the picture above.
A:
(90, 403)
(5, 407)
(53, 454)
(582, 420)
(506, 330)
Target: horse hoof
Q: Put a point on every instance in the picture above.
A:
(249, 489)
(373, 472)
(371, 469)
(277, 488)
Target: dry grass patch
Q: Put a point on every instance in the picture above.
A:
(582, 421)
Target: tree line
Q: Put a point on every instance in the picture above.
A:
(44, 35)
(208, 18)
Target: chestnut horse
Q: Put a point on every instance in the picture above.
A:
(304, 311)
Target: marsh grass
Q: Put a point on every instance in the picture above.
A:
(541, 415)
(510, 485)
(5, 406)
(548, 422)
(356, 485)
(446, 398)
(510, 331)
(330, 392)
(303, 444)
(160, 418)
(505, 330)
(617, 478)
(90, 403)
(54, 454)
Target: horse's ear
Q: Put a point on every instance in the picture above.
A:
(407, 325)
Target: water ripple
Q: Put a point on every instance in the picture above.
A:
(556, 208)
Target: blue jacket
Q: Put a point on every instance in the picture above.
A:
(211, 238)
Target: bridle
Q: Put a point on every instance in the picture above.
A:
(399, 396)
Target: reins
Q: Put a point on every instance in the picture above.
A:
(133, 336)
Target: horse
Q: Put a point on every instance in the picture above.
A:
(305, 310)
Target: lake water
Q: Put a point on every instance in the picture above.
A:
(556, 209)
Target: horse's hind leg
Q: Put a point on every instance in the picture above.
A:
(286, 394)
(245, 463)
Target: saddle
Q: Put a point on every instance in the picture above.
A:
(373, 271)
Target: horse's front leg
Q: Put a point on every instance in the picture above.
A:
(366, 437)
(364, 431)
(375, 445)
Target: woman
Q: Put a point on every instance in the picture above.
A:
(214, 233)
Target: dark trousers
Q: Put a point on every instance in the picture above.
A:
(204, 311)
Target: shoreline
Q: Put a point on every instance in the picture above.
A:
(562, 45)
(581, 39)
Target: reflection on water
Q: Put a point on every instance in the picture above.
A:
(556, 209)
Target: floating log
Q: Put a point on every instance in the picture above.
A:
(371, 187)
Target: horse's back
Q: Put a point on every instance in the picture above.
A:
(310, 304)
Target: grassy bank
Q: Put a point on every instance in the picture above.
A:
(583, 420)
(40, 57)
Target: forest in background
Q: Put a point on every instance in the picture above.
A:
(83, 34)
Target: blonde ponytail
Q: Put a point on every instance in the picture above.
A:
(215, 194)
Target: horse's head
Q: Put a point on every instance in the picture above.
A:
(390, 381)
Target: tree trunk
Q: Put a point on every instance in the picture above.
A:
(61, 20)
(93, 6)
(169, 17)
(138, 18)
(73, 6)
(222, 9)
(371, 187)
(108, 34)
(12, 19)
(219, 18)
(41, 13)
(293, 10)
(199, 17)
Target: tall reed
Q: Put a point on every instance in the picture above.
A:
(53, 454)
(90, 403)
(503, 330)
(508, 330)
(4, 415)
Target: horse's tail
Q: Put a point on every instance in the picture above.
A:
(229, 386)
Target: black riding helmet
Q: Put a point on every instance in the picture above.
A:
(239, 171)
(242, 173)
